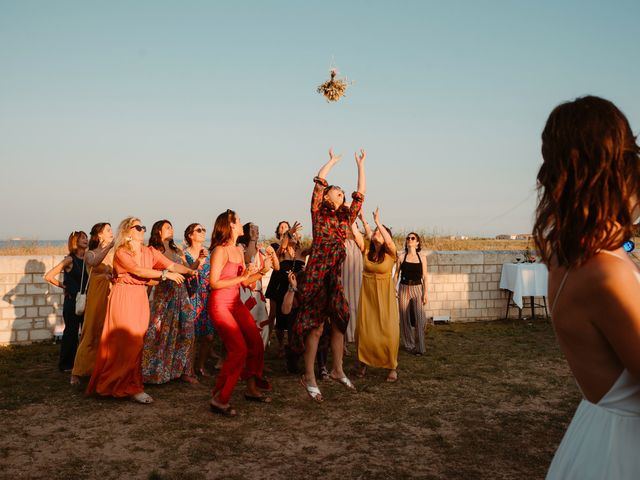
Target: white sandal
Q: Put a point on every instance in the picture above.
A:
(313, 392)
(143, 398)
(344, 381)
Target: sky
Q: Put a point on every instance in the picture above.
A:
(182, 109)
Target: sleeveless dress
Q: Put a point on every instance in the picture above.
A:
(378, 321)
(603, 439)
(72, 322)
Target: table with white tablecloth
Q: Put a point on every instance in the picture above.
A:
(525, 280)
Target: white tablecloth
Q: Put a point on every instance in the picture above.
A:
(524, 280)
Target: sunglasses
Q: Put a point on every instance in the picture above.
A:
(140, 228)
(411, 237)
(200, 230)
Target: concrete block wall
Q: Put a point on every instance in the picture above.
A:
(30, 308)
(463, 285)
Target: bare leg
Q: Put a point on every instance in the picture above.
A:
(310, 350)
(337, 350)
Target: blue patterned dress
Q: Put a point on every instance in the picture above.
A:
(198, 288)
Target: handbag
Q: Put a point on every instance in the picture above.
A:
(81, 298)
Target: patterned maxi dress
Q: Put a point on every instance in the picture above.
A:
(169, 341)
(198, 289)
(322, 294)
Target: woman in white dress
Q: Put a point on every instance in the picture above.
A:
(588, 201)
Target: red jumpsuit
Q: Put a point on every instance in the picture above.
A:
(239, 333)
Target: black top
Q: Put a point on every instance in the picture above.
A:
(411, 272)
(71, 279)
(279, 282)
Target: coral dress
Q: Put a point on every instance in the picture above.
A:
(118, 371)
(378, 318)
(94, 314)
(322, 293)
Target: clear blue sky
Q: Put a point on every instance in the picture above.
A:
(183, 109)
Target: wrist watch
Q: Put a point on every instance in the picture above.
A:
(292, 289)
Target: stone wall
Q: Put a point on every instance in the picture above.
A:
(462, 285)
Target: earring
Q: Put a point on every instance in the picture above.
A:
(128, 239)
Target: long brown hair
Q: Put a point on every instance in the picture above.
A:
(377, 255)
(155, 239)
(96, 230)
(222, 230)
(589, 175)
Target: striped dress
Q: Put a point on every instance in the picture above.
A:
(352, 283)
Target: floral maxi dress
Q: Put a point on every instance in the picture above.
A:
(323, 297)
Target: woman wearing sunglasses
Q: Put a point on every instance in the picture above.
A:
(411, 268)
(118, 370)
(198, 258)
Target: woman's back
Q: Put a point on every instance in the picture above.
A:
(592, 313)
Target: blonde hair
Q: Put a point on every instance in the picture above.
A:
(122, 237)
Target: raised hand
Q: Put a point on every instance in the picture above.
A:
(360, 157)
(376, 216)
(293, 281)
(333, 157)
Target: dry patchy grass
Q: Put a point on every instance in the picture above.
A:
(488, 400)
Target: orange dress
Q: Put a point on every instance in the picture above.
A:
(94, 313)
(118, 369)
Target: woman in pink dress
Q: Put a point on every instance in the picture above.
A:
(118, 371)
(231, 317)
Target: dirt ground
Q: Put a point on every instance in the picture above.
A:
(488, 400)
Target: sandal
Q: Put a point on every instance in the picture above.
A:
(264, 384)
(75, 380)
(257, 398)
(361, 372)
(142, 397)
(227, 411)
(344, 381)
(393, 376)
(192, 379)
(203, 373)
(313, 392)
(324, 373)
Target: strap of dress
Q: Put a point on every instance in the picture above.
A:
(555, 300)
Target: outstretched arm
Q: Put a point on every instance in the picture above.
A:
(367, 229)
(388, 240)
(333, 159)
(362, 182)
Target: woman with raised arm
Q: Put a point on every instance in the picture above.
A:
(411, 268)
(323, 302)
(75, 279)
(378, 321)
(99, 262)
(588, 188)
(231, 317)
(169, 344)
(198, 288)
(118, 371)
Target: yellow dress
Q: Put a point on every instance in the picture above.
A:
(94, 315)
(378, 329)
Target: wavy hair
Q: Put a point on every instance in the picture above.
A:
(155, 239)
(122, 237)
(587, 183)
(222, 230)
(419, 240)
(377, 255)
(94, 238)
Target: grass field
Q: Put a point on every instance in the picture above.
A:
(487, 401)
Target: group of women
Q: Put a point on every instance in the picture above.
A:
(151, 308)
